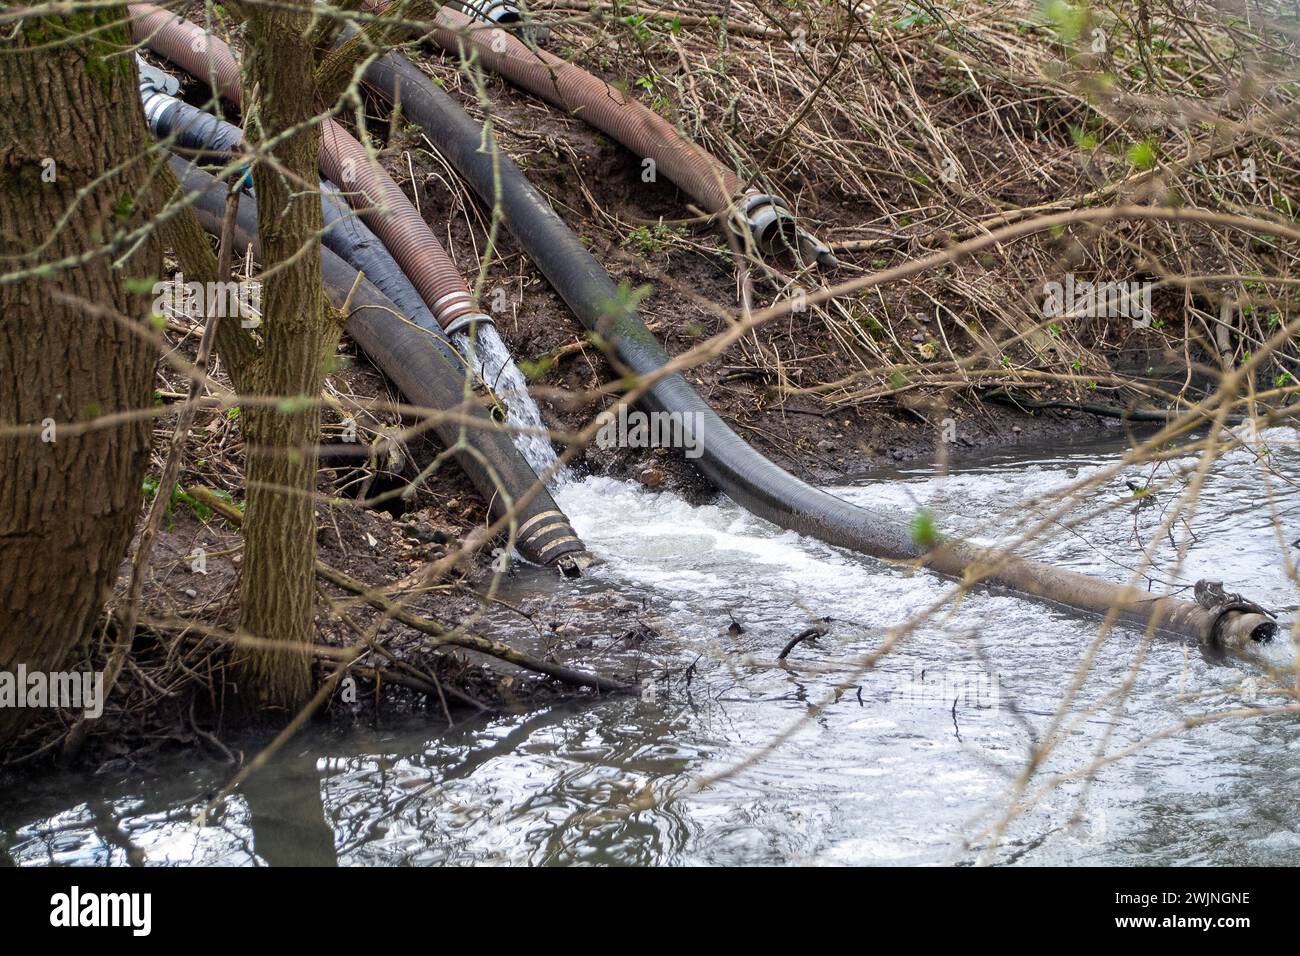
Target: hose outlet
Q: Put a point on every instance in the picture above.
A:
(467, 322)
(573, 565)
(769, 222)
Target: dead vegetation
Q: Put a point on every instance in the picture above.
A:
(895, 130)
(898, 129)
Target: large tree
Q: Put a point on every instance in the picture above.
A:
(276, 591)
(74, 337)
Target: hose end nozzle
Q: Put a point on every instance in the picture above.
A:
(467, 323)
(573, 564)
(772, 226)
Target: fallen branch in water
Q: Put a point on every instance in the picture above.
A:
(808, 634)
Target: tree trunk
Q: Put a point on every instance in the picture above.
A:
(277, 587)
(71, 348)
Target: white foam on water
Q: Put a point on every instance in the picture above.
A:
(721, 556)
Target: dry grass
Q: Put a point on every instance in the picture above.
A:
(898, 128)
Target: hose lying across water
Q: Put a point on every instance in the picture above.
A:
(731, 464)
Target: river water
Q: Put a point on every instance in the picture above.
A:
(915, 760)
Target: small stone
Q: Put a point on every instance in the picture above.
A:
(190, 593)
(918, 337)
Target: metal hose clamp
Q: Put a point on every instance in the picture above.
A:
(772, 226)
(466, 322)
(455, 312)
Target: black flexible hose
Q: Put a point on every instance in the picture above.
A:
(193, 129)
(728, 461)
(212, 139)
(408, 355)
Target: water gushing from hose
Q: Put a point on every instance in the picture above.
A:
(493, 364)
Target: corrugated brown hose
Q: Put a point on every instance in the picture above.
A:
(710, 182)
(372, 193)
(545, 535)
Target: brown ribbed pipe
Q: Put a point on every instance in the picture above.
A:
(188, 46)
(713, 185)
(372, 193)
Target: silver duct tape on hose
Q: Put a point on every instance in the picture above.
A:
(153, 79)
(158, 91)
(770, 223)
(491, 11)
(156, 107)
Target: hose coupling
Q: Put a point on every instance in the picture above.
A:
(772, 226)
(504, 13)
(467, 322)
(154, 80)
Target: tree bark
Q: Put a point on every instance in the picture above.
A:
(277, 593)
(74, 342)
